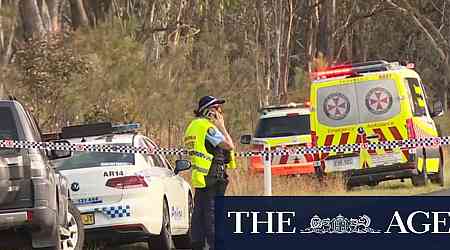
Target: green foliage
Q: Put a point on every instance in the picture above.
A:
(47, 68)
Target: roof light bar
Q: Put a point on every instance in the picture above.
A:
(125, 128)
(306, 104)
(331, 73)
(87, 130)
(354, 69)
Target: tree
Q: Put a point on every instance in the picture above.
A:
(79, 16)
(40, 17)
(434, 32)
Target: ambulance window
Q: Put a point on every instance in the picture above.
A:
(337, 105)
(378, 100)
(417, 96)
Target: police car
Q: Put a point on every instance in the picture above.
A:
(282, 127)
(374, 102)
(127, 197)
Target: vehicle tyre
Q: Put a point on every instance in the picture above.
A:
(163, 241)
(373, 183)
(75, 240)
(57, 247)
(439, 178)
(184, 241)
(421, 178)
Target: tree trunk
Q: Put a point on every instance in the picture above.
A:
(45, 15)
(31, 19)
(9, 48)
(445, 96)
(54, 10)
(312, 35)
(284, 77)
(331, 27)
(2, 35)
(446, 85)
(323, 29)
(278, 23)
(79, 16)
(268, 57)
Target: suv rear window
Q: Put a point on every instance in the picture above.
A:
(283, 126)
(8, 130)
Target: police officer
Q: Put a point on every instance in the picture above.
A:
(211, 152)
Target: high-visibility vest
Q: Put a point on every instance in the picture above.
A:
(201, 159)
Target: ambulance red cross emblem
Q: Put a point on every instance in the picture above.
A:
(378, 100)
(336, 106)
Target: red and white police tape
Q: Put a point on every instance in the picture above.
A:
(402, 144)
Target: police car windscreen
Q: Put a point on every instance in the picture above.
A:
(96, 159)
(8, 130)
(283, 126)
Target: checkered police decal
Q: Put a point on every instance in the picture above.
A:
(378, 100)
(115, 211)
(336, 106)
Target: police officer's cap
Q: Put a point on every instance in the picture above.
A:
(208, 101)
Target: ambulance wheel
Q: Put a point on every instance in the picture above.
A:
(421, 178)
(438, 178)
(346, 178)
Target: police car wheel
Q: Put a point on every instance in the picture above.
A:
(421, 179)
(75, 239)
(163, 241)
(184, 241)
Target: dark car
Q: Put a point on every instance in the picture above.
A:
(35, 208)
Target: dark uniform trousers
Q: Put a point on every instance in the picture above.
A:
(203, 222)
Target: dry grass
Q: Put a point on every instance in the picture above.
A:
(243, 184)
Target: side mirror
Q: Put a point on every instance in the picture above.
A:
(438, 109)
(181, 165)
(59, 154)
(246, 139)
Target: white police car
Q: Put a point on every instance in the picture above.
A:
(127, 197)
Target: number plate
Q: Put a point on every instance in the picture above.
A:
(341, 164)
(88, 219)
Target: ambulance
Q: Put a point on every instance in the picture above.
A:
(372, 102)
(282, 127)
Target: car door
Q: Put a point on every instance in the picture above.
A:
(173, 185)
(423, 123)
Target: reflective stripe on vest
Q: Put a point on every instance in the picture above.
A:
(201, 155)
(202, 170)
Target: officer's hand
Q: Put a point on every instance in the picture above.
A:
(219, 121)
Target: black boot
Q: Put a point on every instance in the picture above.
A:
(197, 246)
